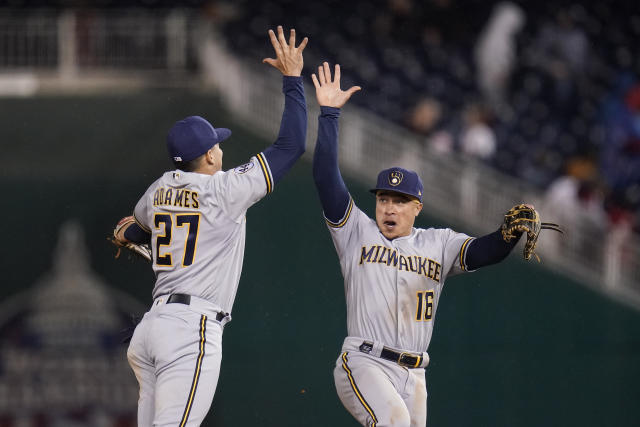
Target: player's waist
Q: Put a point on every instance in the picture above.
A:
(197, 304)
(408, 359)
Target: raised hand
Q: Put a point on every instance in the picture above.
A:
(288, 57)
(328, 91)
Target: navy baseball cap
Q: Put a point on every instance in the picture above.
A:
(401, 181)
(193, 136)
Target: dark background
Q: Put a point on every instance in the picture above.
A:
(514, 345)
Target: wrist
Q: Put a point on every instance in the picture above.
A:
(326, 110)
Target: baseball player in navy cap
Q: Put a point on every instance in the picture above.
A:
(393, 276)
(194, 219)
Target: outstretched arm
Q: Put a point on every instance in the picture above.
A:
(494, 247)
(290, 144)
(333, 193)
(488, 249)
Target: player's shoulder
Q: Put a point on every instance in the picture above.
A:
(357, 216)
(246, 167)
(433, 233)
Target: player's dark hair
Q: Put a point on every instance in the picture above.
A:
(189, 166)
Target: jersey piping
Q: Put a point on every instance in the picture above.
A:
(196, 374)
(357, 391)
(344, 220)
(265, 170)
(463, 254)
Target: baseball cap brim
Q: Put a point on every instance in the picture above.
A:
(393, 190)
(223, 133)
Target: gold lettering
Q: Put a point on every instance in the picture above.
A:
(167, 196)
(422, 265)
(436, 274)
(432, 265)
(403, 261)
(366, 254)
(179, 198)
(381, 259)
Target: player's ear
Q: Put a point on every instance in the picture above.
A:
(210, 157)
(418, 208)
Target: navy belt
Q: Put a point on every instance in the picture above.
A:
(186, 299)
(408, 360)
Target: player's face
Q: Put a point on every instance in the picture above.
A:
(396, 213)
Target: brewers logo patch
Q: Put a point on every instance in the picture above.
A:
(243, 168)
(395, 178)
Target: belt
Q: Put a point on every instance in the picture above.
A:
(186, 299)
(408, 360)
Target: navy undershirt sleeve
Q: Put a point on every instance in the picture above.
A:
(134, 233)
(488, 249)
(290, 144)
(333, 193)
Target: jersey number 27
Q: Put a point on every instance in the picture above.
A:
(166, 223)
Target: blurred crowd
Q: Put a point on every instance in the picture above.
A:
(547, 92)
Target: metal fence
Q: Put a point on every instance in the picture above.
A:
(67, 41)
(463, 191)
(28, 40)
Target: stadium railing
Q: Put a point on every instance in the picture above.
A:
(465, 192)
(461, 190)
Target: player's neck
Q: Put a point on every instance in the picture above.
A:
(207, 169)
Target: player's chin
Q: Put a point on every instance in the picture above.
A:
(389, 231)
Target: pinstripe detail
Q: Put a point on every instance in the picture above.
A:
(346, 217)
(148, 230)
(463, 251)
(356, 391)
(265, 171)
(196, 374)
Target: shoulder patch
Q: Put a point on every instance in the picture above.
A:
(243, 168)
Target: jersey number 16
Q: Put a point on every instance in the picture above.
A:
(424, 311)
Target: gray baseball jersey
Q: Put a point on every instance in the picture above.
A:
(198, 221)
(392, 287)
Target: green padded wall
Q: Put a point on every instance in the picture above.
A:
(514, 344)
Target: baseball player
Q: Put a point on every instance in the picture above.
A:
(393, 276)
(194, 219)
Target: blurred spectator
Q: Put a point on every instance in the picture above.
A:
(477, 138)
(424, 119)
(495, 54)
(561, 50)
(424, 116)
(620, 157)
(575, 201)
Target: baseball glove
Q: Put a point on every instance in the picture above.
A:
(137, 249)
(525, 219)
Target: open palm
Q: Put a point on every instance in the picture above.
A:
(328, 91)
(288, 57)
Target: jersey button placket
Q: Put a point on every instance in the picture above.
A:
(399, 334)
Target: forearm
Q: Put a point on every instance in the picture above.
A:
(332, 191)
(290, 144)
(488, 249)
(134, 233)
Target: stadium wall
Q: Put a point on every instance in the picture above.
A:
(515, 344)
